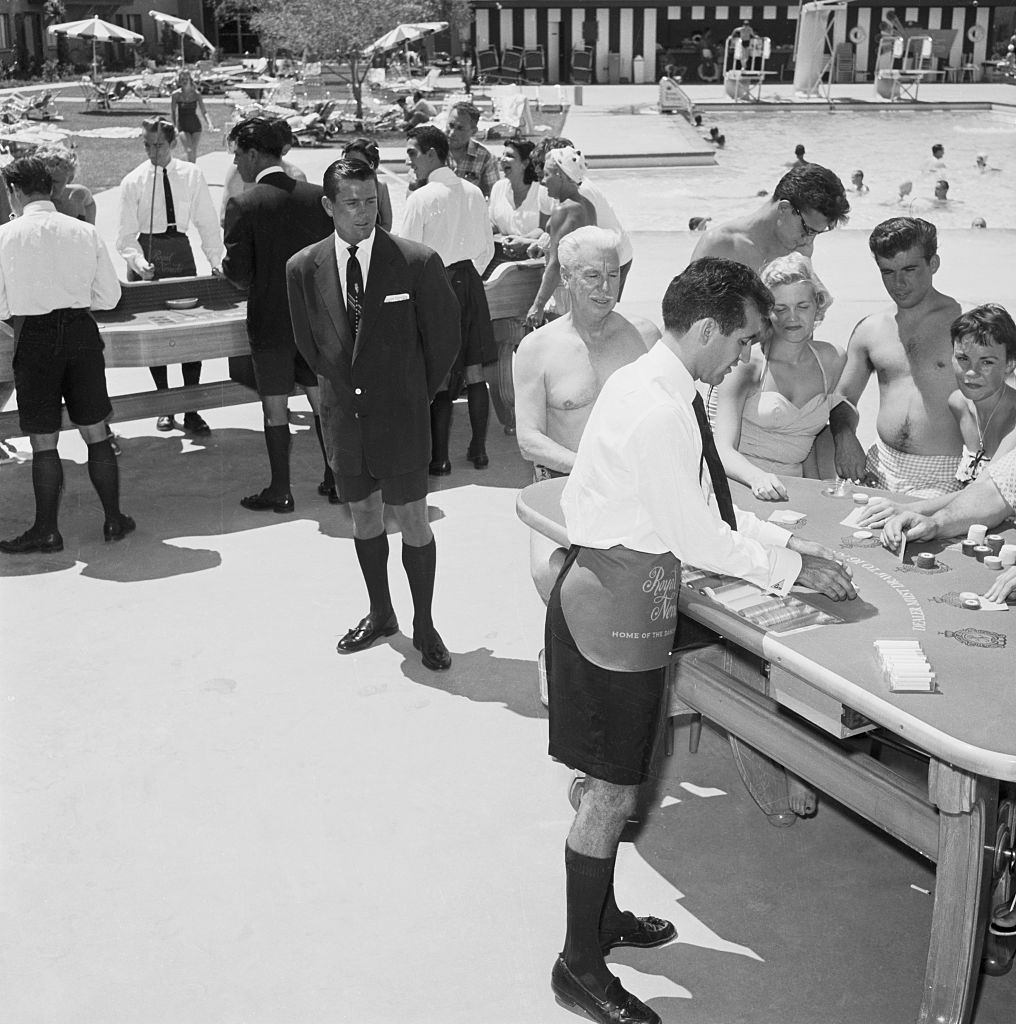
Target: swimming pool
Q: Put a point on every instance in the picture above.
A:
(890, 146)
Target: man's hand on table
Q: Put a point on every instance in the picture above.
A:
(913, 525)
(1003, 586)
(821, 571)
(878, 512)
(850, 460)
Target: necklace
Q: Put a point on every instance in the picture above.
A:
(981, 431)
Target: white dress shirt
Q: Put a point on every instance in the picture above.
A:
(192, 204)
(51, 261)
(363, 253)
(636, 481)
(450, 215)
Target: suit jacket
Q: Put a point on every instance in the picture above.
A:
(263, 228)
(376, 390)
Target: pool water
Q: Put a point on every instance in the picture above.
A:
(890, 146)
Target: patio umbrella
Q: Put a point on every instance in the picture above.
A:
(183, 28)
(405, 34)
(98, 31)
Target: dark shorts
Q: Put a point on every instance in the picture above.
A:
(395, 490)
(59, 359)
(277, 371)
(478, 344)
(603, 723)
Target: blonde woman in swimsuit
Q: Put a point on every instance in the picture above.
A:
(185, 104)
(770, 409)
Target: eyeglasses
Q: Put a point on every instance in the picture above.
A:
(806, 228)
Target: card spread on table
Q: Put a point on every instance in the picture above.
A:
(854, 519)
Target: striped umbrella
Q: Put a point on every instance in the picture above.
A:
(98, 31)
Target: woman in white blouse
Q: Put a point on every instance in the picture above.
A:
(515, 199)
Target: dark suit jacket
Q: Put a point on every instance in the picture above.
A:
(376, 391)
(264, 226)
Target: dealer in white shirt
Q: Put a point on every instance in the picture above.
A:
(640, 501)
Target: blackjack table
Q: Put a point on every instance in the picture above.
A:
(801, 679)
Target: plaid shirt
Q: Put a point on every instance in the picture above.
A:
(478, 166)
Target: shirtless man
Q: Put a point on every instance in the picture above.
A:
(910, 350)
(808, 201)
(563, 171)
(560, 369)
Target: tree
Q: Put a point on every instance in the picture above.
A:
(330, 29)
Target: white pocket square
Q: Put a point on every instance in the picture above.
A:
(401, 297)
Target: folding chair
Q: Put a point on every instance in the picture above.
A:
(488, 66)
(582, 66)
(535, 65)
(512, 61)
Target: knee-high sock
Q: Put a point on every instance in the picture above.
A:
(277, 443)
(161, 377)
(420, 564)
(478, 400)
(440, 426)
(372, 554)
(588, 879)
(613, 920)
(47, 483)
(105, 476)
(329, 478)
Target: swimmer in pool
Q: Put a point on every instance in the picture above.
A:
(857, 181)
(979, 222)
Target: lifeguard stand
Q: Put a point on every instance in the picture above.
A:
(901, 65)
(744, 67)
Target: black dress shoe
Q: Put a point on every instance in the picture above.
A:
(615, 1006)
(264, 502)
(645, 934)
(165, 423)
(118, 527)
(33, 540)
(435, 654)
(439, 468)
(477, 455)
(328, 491)
(365, 632)
(195, 424)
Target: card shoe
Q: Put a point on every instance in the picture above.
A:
(32, 540)
(118, 527)
(649, 932)
(616, 1006)
(432, 648)
(365, 632)
(264, 501)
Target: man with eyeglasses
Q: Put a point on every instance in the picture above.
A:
(808, 201)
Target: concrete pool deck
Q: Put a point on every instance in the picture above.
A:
(211, 818)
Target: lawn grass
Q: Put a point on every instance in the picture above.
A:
(103, 163)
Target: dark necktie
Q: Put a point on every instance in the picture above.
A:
(354, 291)
(170, 208)
(712, 460)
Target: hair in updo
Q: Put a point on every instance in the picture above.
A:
(793, 268)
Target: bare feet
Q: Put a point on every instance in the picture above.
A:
(801, 797)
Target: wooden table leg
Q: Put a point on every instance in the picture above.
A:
(967, 807)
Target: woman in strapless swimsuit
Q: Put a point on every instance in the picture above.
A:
(770, 409)
(185, 102)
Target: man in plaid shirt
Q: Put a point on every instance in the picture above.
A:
(469, 159)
